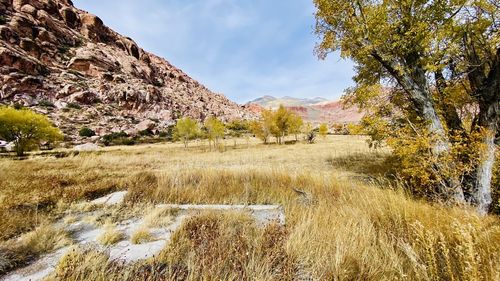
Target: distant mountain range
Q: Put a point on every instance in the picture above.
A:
(273, 102)
(311, 109)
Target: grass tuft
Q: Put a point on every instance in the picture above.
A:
(110, 236)
(159, 217)
(140, 236)
(19, 252)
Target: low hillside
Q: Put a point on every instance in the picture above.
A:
(67, 64)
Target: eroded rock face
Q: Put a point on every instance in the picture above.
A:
(54, 53)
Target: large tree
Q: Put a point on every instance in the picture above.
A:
(26, 129)
(438, 59)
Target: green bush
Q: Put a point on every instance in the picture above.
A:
(117, 138)
(46, 103)
(64, 49)
(26, 129)
(146, 133)
(73, 105)
(3, 20)
(86, 132)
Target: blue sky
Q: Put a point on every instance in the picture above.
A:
(242, 48)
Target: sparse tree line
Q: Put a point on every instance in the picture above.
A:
(272, 125)
(27, 130)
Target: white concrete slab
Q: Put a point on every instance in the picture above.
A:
(111, 199)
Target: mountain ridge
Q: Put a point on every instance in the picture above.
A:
(315, 110)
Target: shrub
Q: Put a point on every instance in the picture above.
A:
(159, 217)
(125, 141)
(3, 20)
(18, 252)
(168, 134)
(86, 132)
(110, 236)
(142, 235)
(26, 129)
(46, 103)
(146, 133)
(63, 49)
(311, 137)
(117, 138)
(73, 105)
(230, 246)
(18, 106)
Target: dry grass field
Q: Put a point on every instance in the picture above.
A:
(349, 222)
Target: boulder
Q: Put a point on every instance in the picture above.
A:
(70, 17)
(28, 9)
(46, 36)
(67, 90)
(29, 46)
(86, 97)
(131, 47)
(18, 4)
(145, 125)
(60, 104)
(21, 25)
(93, 28)
(6, 34)
(22, 64)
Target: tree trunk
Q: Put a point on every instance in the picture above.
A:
(487, 89)
(19, 145)
(481, 194)
(416, 85)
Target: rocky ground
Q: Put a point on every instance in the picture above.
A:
(65, 63)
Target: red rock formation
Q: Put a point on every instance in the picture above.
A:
(54, 53)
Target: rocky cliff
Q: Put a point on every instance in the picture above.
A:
(65, 63)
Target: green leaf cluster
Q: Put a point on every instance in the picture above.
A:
(26, 129)
(186, 129)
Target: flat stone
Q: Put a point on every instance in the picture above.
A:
(263, 214)
(111, 199)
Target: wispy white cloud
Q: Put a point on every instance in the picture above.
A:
(242, 48)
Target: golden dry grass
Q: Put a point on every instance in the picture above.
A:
(44, 239)
(141, 235)
(347, 226)
(159, 217)
(110, 236)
